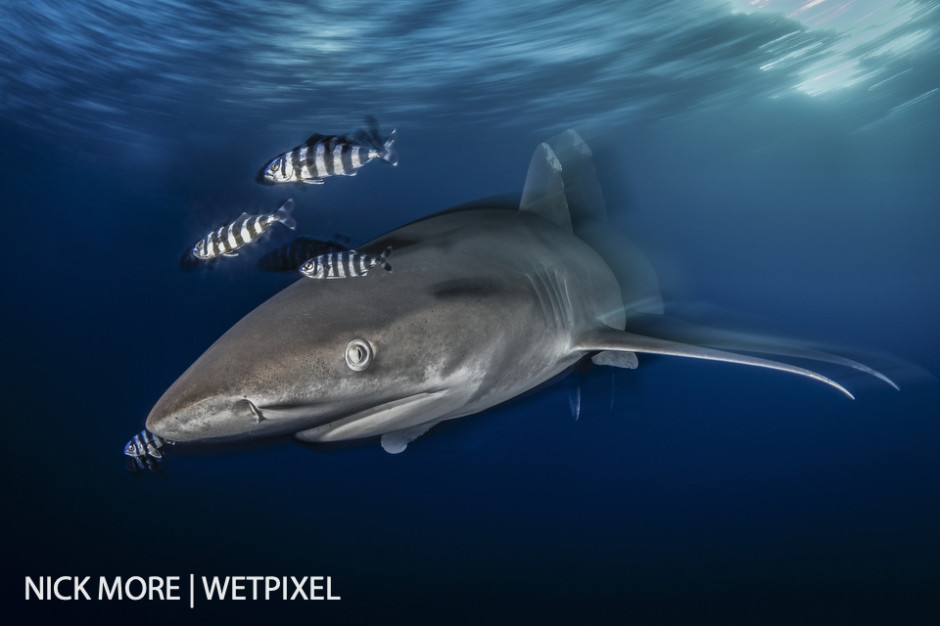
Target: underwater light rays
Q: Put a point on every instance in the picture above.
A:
(843, 40)
(109, 65)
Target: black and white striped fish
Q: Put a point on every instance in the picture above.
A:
(145, 451)
(226, 239)
(349, 264)
(289, 257)
(322, 156)
(145, 443)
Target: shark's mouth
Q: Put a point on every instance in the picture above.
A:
(426, 407)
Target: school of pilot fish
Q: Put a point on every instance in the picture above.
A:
(312, 162)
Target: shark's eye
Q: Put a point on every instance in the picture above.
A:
(358, 355)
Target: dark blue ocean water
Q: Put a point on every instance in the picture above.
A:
(778, 160)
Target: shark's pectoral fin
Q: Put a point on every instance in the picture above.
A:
(737, 341)
(615, 358)
(396, 442)
(609, 339)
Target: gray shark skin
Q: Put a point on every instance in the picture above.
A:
(482, 305)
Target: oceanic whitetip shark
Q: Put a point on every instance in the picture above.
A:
(484, 304)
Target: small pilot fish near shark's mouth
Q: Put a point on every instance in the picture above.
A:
(146, 451)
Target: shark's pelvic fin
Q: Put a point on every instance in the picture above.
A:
(616, 358)
(617, 340)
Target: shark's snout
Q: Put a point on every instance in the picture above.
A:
(212, 418)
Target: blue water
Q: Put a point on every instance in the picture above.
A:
(777, 158)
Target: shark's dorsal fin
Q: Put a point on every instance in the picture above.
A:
(562, 187)
(586, 206)
(544, 191)
(610, 339)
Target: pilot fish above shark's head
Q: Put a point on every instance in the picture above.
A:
(484, 305)
(323, 156)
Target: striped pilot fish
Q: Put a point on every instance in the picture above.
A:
(144, 451)
(322, 156)
(289, 257)
(349, 264)
(226, 239)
